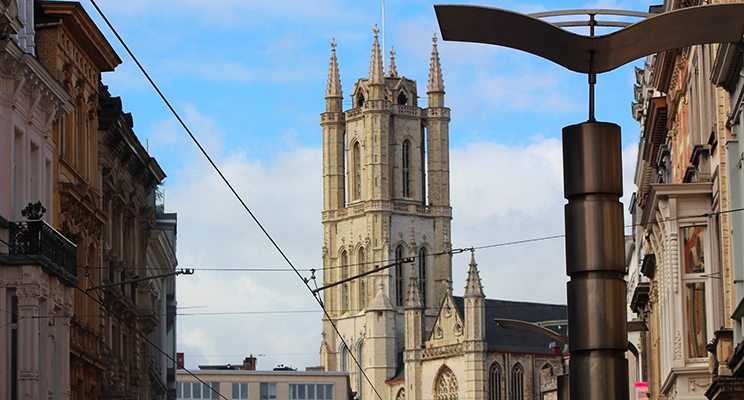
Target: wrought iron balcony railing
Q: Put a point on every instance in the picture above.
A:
(38, 241)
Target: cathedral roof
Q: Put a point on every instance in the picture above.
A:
(513, 340)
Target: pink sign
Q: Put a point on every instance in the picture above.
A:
(641, 390)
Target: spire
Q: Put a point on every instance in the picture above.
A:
(375, 66)
(333, 87)
(392, 71)
(413, 301)
(473, 288)
(435, 70)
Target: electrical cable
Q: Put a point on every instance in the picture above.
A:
(224, 179)
(129, 326)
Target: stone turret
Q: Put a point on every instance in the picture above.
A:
(414, 338)
(380, 322)
(376, 71)
(475, 334)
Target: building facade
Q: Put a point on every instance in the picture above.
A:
(402, 334)
(75, 52)
(133, 309)
(263, 385)
(685, 289)
(37, 263)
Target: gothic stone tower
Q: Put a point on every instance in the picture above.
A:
(385, 197)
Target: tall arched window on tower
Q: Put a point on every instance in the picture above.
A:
(406, 168)
(343, 358)
(344, 275)
(399, 276)
(494, 382)
(517, 382)
(446, 385)
(356, 185)
(362, 281)
(422, 274)
(360, 373)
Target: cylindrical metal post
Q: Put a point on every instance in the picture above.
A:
(595, 261)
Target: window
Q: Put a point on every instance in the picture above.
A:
(362, 281)
(356, 185)
(310, 391)
(399, 276)
(268, 391)
(239, 390)
(360, 374)
(406, 168)
(694, 291)
(401, 395)
(197, 391)
(343, 358)
(422, 274)
(345, 287)
(446, 385)
(494, 382)
(517, 383)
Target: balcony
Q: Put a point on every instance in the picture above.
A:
(37, 242)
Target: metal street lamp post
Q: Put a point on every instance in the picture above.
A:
(592, 162)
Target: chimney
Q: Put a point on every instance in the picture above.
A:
(249, 364)
(179, 360)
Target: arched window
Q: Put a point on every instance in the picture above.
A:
(360, 99)
(446, 385)
(356, 185)
(399, 276)
(494, 382)
(546, 374)
(517, 383)
(360, 358)
(344, 275)
(343, 358)
(406, 168)
(401, 395)
(402, 99)
(422, 274)
(362, 281)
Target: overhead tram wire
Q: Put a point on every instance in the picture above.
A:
(224, 179)
(123, 323)
(206, 155)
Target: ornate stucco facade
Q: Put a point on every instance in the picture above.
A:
(386, 199)
(685, 289)
(37, 263)
(75, 52)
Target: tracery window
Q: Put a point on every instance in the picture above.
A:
(356, 186)
(494, 382)
(406, 168)
(517, 383)
(343, 362)
(399, 276)
(344, 275)
(422, 274)
(401, 395)
(446, 385)
(362, 281)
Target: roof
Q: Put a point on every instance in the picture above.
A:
(518, 341)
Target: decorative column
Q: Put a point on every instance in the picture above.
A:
(28, 340)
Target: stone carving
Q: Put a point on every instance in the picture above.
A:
(677, 345)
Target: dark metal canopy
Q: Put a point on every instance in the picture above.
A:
(719, 23)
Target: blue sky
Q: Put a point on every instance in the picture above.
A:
(249, 79)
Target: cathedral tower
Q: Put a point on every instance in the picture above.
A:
(385, 197)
